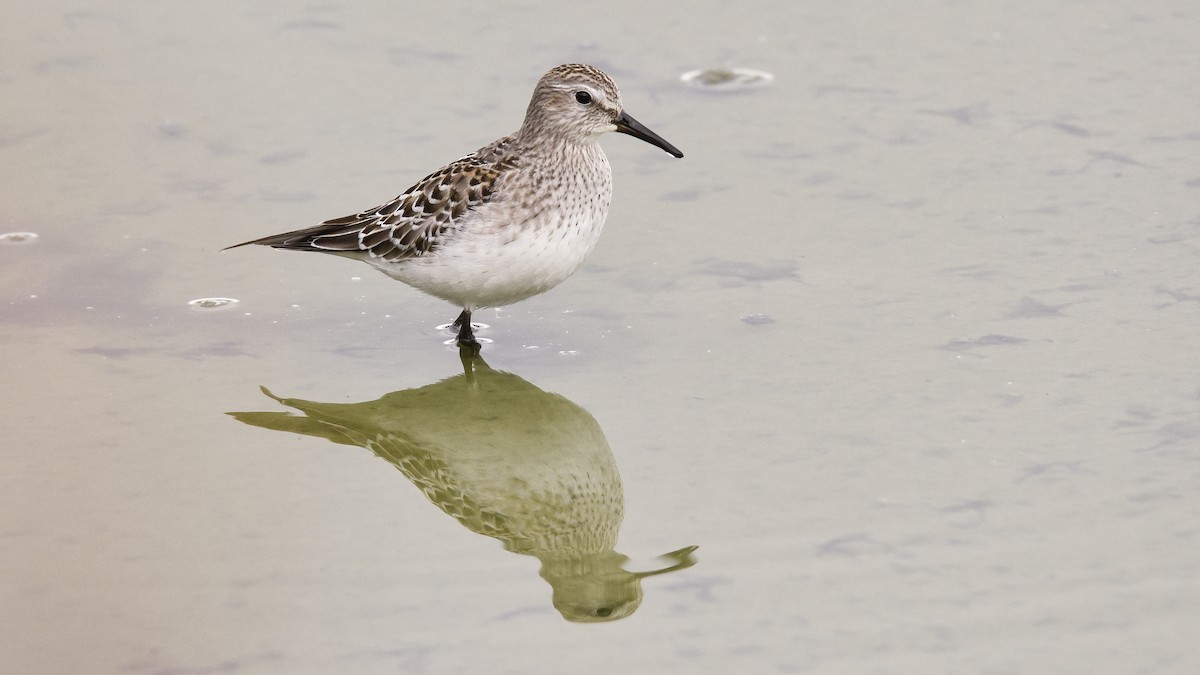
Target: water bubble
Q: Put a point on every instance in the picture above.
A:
(213, 303)
(18, 238)
(727, 79)
(757, 319)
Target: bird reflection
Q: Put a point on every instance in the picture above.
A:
(509, 461)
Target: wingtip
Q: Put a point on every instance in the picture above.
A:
(244, 243)
(262, 240)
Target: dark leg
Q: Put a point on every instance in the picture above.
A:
(463, 317)
(466, 338)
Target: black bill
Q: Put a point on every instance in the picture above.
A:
(628, 125)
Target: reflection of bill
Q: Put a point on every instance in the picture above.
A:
(506, 460)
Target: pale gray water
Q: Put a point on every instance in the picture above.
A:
(906, 343)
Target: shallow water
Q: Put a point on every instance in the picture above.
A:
(905, 345)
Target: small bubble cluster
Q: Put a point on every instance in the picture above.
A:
(727, 79)
(18, 237)
(757, 319)
(212, 303)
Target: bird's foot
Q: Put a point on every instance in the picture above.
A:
(468, 345)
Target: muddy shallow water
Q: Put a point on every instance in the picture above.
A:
(895, 371)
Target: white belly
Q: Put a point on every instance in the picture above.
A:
(496, 265)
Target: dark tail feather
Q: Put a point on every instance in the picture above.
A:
(304, 240)
(296, 239)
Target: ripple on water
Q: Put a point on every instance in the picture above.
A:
(453, 342)
(212, 303)
(727, 79)
(475, 325)
(17, 238)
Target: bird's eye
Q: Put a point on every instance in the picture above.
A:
(583, 97)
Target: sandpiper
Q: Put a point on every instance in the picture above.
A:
(509, 221)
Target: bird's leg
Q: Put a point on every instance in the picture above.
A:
(466, 338)
(471, 362)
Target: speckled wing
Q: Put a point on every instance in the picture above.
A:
(410, 225)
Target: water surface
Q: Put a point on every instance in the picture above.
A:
(905, 344)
